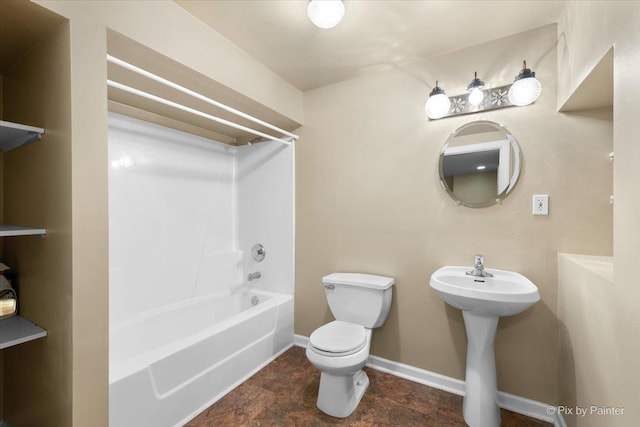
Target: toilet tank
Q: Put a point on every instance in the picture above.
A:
(359, 298)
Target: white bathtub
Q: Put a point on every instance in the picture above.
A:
(169, 365)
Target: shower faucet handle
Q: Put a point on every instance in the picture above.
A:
(258, 252)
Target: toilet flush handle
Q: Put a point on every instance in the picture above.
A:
(330, 286)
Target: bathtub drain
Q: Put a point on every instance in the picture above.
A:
(254, 300)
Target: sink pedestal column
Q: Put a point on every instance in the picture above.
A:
(480, 407)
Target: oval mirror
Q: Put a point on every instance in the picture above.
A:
(480, 164)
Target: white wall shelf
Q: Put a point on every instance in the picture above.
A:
(17, 330)
(7, 230)
(14, 135)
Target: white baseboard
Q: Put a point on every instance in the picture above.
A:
(521, 405)
(422, 376)
(559, 421)
(299, 341)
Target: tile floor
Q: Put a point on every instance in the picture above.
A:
(284, 394)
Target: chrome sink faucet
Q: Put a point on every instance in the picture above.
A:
(478, 267)
(253, 276)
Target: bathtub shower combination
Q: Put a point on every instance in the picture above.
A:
(170, 365)
(186, 326)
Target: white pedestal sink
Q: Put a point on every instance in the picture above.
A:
(482, 301)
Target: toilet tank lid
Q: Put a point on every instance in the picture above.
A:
(359, 279)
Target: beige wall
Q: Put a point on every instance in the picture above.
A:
(170, 30)
(90, 225)
(584, 286)
(586, 32)
(37, 192)
(368, 199)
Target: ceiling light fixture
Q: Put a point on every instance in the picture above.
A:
(476, 95)
(438, 104)
(526, 88)
(325, 13)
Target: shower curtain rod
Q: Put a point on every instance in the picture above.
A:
(155, 98)
(201, 97)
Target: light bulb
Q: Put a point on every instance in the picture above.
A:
(476, 97)
(325, 13)
(525, 91)
(437, 106)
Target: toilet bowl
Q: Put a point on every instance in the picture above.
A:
(340, 349)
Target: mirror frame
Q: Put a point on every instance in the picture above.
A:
(513, 179)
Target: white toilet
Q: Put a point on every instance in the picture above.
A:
(340, 349)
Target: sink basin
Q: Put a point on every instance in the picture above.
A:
(505, 294)
(482, 301)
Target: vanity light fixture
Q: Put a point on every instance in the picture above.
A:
(438, 104)
(325, 13)
(526, 88)
(476, 95)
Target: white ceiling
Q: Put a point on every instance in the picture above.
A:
(373, 35)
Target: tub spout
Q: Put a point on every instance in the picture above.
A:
(253, 276)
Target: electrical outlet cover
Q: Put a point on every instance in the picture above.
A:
(541, 204)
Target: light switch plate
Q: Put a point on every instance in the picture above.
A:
(541, 204)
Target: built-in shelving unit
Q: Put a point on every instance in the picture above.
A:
(7, 230)
(17, 330)
(14, 135)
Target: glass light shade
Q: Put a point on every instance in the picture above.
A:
(325, 13)
(437, 106)
(476, 96)
(525, 91)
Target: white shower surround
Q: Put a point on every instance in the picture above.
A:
(184, 212)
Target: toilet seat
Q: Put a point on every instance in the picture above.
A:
(338, 338)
